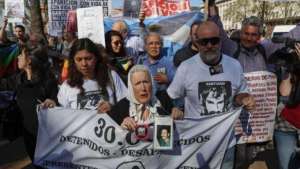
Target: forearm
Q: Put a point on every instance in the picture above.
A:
(3, 37)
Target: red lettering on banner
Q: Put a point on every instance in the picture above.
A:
(164, 12)
(165, 8)
(148, 12)
(173, 7)
(263, 87)
(147, 7)
(185, 5)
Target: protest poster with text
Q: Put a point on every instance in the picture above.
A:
(164, 7)
(90, 24)
(58, 9)
(15, 11)
(258, 126)
(86, 139)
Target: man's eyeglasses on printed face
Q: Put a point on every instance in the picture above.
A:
(205, 41)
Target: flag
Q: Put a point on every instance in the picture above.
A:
(173, 29)
(8, 59)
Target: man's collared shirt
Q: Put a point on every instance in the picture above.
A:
(162, 65)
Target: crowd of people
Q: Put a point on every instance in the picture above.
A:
(133, 82)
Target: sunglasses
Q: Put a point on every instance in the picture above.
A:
(117, 43)
(205, 41)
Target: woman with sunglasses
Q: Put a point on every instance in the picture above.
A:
(91, 84)
(117, 59)
(34, 84)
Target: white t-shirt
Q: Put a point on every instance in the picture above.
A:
(205, 94)
(69, 96)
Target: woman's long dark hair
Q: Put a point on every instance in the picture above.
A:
(294, 97)
(109, 50)
(40, 65)
(101, 71)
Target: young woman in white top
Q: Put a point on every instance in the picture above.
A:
(90, 85)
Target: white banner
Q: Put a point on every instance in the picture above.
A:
(90, 24)
(84, 139)
(57, 11)
(258, 126)
(15, 11)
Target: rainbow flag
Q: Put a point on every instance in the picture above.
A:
(8, 59)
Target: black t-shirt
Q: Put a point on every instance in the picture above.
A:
(184, 54)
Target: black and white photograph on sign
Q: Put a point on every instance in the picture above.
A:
(90, 100)
(163, 132)
(14, 10)
(214, 97)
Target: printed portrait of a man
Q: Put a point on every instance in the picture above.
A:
(163, 135)
(214, 97)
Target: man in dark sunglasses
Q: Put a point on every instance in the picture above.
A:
(211, 82)
(208, 43)
(252, 55)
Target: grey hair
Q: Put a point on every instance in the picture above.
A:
(153, 34)
(138, 68)
(253, 21)
(124, 24)
(134, 69)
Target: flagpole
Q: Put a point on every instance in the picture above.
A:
(206, 10)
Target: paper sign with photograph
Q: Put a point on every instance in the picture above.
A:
(14, 10)
(163, 132)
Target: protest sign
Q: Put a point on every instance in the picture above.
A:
(85, 139)
(258, 126)
(164, 7)
(90, 24)
(58, 9)
(71, 23)
(14, 10)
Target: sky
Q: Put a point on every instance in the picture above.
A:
(119, 3)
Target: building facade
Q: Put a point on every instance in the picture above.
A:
(278, 13)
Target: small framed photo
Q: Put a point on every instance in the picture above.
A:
(163, 133)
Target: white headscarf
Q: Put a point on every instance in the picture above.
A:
(135, 107)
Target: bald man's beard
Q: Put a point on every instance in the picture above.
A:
(210, 57)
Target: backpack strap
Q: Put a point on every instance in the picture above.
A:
(262, 51)
(237, 52)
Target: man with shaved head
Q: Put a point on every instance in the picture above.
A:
(134, 45)
(253, 56)
(210, 70)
